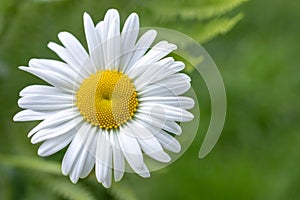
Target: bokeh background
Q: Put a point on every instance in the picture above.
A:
(256, 46)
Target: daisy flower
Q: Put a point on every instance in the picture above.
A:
(111, 104)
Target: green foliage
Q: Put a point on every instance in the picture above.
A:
(64, 188)
(25, 29)
(30, 163)
(202, 20)
(194, 9)
(217, 26)
(122, 192)
(46, 1)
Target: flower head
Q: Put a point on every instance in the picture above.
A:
(110, 104)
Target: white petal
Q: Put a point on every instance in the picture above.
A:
(55, 66)
(153, 72)
(160, 123)
(156, 53)
(172, 127)
(176, 78)
(103, 157)
(111, 15)
(97, 56)
(175, 84)
(177, 101)
(82, 158)
(107, 181)
(93, 43)
(110, 29)
(177, 66)
(74, 157)
(131, 149)
(77, 51)
(54, 145)
(168, 142)
(99, 163)
(54, 108)
(101, 30)
(48, 98)
(141, 47)
(166, 112)
(143, 172)
(107, 170)
(158, 71)
(66, 55)
(128, 38)
(113, 45)
(155, 90)
(48, 133)
(149, 143)
(30, 115)
(90, 155)
(41, 90)
(46, 102)
(90, 34)
(118, 158)
(56, 120)
(41, 107)
(73, 46)
(52, 78)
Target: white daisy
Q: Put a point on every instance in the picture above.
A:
(112, 104)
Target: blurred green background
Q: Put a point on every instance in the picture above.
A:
(257, 156)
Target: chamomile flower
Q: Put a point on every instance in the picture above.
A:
(111, 104)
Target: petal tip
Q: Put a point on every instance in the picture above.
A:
(41, 152)
(16, 117)
(85, 14)
(22, 68)
(86, 17)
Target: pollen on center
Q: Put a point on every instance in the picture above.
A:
(107, 99)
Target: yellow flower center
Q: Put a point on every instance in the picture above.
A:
(107, 99)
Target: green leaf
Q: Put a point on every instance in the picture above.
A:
(216, 27)
(203, 20)
(46, 1)
(32, 191)
(122, 192)
(64, 188)
(205, 31)
(198, 10)
(1, 23)
(31, 163)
